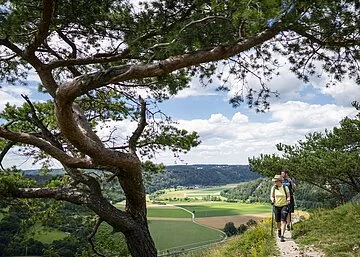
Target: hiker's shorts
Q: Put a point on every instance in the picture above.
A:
(281, 213)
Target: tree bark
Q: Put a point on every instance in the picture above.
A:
(132, 222)
(139, 242)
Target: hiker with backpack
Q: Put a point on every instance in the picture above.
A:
(291, 184)
(280, 199)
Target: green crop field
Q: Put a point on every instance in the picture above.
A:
(167, 212)
(181, 234)
(44, 234)
(216, 209)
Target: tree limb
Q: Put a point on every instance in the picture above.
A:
(69, 42)
(45, 146)
(102, 58)
(325, 43)
(140, 128)
(119, 74)
(92, 234)
(44, 131)
(43, 30)
(4, 151)
(65, 193)
(88, 180)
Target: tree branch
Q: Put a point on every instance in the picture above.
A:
(140, 128)
(64, 193)
(44, 131)
(69, 42)
(204, 19)
(4, 151)
(45, 146)
(88, 82)
(88, 180)
(325, 43)
(92, 234)
(45, 21)
(97, 58)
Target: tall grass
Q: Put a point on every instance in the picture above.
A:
(336, 232)
(255, 242)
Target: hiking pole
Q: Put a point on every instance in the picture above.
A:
(272, 219)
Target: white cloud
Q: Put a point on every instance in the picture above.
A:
(8, 97)
(197, 89)
(344, 93)
(294, 114)
(228, 141)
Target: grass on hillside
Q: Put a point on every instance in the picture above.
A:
(336, 232)
(216, 209)
(177, 235)
(45, 235)
(255, 242)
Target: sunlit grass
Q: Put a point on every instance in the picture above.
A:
(181, 234)
(45, 235)
(257, 241)
(336, 232)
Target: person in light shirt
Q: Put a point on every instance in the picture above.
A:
(280, 198)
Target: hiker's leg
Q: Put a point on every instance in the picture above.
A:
(278, 219)
(283, 227)
(284, 214)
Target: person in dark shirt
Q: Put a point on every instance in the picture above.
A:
(291, 184)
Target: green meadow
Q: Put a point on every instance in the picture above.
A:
(216, 209)
(45, 235)
(181, 234)
(167, 212)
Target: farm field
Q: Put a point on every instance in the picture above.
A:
(167, 212)
(177, 235)
(196, 193)
(216, 209)
(171, 231)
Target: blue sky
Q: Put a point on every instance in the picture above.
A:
(232, 135)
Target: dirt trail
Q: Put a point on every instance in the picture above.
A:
(290, 249)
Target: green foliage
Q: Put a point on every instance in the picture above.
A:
(107, 243)
(335, 232)
(230, 229)
(12, 179)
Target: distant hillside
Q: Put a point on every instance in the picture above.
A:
(184, 175)
(203, 175)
